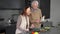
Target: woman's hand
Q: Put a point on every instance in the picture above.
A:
(27, 30)
(32, 26)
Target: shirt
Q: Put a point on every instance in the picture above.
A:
(35, 17)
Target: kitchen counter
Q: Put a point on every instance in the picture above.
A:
(53, 30)
(7, 28)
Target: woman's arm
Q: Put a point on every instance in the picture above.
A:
(18, 22)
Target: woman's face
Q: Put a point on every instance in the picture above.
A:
(28, 11)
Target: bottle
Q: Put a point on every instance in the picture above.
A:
(9, 21)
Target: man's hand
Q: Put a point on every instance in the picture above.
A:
(37, 20)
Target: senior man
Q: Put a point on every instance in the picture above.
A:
(36, 15)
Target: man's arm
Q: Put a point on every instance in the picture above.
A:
(40, 14)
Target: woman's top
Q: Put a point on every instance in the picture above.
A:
(22, 23)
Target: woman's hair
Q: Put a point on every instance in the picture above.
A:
(24, 10)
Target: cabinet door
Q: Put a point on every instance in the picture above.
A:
(45, 7)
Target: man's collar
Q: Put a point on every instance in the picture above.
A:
(34, 9)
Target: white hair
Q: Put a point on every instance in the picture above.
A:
(34, 2)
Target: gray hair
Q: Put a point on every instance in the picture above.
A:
(34, 2)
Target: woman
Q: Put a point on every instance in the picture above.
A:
(23, 21)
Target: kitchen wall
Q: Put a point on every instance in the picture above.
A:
(6, 14)
(55, 11)
(10, 4)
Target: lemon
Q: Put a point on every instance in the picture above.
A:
(36, 33)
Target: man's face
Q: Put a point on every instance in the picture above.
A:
(35, 6)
